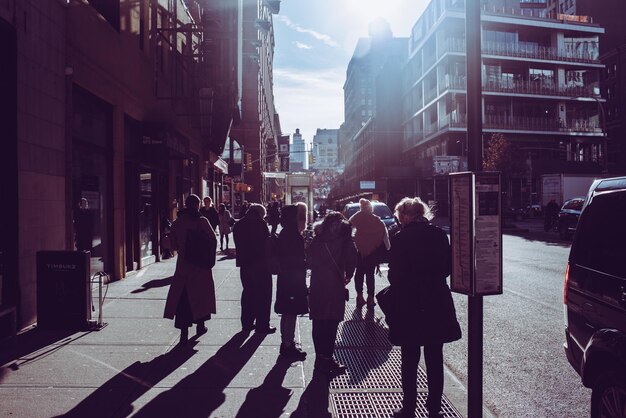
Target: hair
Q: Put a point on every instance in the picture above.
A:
(222, 208)
(209, 199)
(366, 205)
(256, 209)
(413, 207)
(192, 201)
(289, 216)
(333, 222)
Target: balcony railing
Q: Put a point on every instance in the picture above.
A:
(521, 50)
(455, 82)
(537, 88)
(540, 124)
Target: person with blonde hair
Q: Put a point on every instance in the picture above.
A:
(424, 314)
(370, 234)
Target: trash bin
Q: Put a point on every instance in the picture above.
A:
(63, 291)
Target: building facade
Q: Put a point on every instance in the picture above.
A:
(540, 89)
(115, 103)
(325, 149)
(298, 160)
(257, 132)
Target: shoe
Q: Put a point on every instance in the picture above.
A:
(201, 329)
(404, 413)
(359, 299)
(292, 351)
(330, 365)
(247, 328)
(370, 301)
(266, 330)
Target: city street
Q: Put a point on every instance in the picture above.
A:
(526, 373)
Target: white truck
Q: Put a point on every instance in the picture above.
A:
(562, 187)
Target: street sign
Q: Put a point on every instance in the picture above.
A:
(476, 233)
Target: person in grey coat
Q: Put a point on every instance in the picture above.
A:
(424, 314)
(332, 258)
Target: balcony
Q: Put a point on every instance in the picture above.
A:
(456, 82)
(528, 123)
(522, 50)
(536, 88)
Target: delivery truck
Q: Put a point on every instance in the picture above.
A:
(562, 187)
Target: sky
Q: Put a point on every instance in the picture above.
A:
(314, 42)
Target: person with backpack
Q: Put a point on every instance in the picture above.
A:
(191, 297)
(291, 290)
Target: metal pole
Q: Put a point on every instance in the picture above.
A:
(605, 151)
(474, 145)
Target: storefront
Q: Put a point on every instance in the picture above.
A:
(91, 174)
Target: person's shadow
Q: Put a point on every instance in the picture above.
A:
(314, 400)
(269, 399)
(153, 284)
(202, 392)
(115, 397)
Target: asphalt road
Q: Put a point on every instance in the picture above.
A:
(526, 373)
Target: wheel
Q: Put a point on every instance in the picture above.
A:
(608, 397)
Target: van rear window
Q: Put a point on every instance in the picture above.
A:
(600, 242)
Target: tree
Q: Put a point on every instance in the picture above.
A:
(503, 156)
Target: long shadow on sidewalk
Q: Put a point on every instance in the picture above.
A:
(314, 400)
(202, 392)
(115, 397)
(153, 284)
(269, 399)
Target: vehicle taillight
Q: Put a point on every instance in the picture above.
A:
(565, 284)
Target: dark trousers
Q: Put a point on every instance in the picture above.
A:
(433, 354)
(184, 318)
(324, 335)
(365, 267)
(256, 298)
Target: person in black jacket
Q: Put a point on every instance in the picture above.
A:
(420, 260)
(250, 234)
(291, 290)
(209, 212)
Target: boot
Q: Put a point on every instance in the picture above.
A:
(292, 351)
(201, 328)
(359, 299)
(184, 336)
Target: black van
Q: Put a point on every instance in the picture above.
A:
(595, 297)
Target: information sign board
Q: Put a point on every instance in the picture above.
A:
(476, 233)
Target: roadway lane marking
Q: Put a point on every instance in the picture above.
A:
(547, 305)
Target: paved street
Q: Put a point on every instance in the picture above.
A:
(526, 373)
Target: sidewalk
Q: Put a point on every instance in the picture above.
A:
(132, 367)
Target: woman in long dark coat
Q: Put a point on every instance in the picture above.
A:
(420, 260)
(291, 291)
(333, 258)
(191, 297)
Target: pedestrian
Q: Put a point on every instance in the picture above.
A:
(226, 220)
(191, 297)
(303, 216)
(291, 290)
(273, 216)
(332, 259)
(243, 209)
(209, 212)
(371, 233)
(166, 238)
(551, 214)
(424, 316)
(83, 226)
(250, 234)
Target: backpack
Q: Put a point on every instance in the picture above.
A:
(272, 254)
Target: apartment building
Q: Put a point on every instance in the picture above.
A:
(325, 149)
(540, 89)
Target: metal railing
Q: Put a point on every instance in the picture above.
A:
(537, 87)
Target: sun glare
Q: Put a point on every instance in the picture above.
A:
(364, 11)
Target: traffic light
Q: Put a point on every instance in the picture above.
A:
(311, 159)
(247, 161)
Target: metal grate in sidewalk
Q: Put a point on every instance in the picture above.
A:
(381, 405)
(361, 334)
(371, 369)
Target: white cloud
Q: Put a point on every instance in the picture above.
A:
(309, 99)
(327, 39)
(302, 45)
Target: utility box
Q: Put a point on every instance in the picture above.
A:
(63, 289)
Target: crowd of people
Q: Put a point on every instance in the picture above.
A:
(419, 263)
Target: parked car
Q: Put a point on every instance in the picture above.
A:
(595, 297)
(380, 209)
(568, 217)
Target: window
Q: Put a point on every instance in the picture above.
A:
(600, 241)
